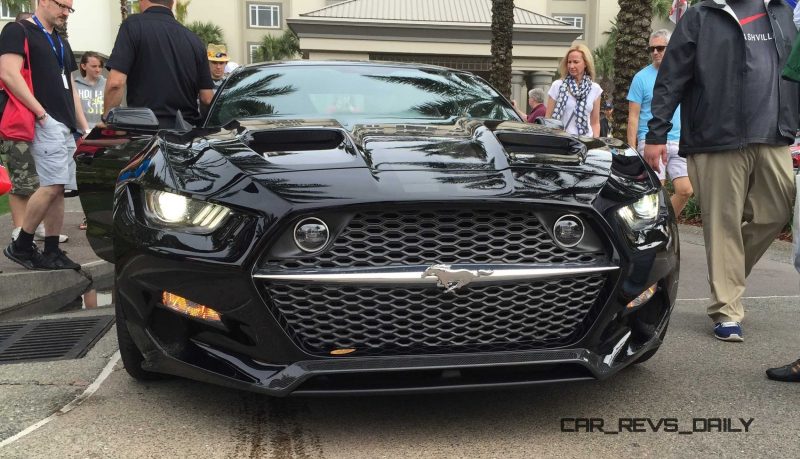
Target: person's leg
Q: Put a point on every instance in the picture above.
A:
(720, 182)
(54, 219)
(683, 192)
(39, 206)
(24, 180)
(17, 205)
(768, 203)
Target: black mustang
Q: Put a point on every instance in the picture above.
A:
(372, 228)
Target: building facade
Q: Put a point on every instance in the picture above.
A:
(453, 33)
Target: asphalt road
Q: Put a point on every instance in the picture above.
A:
(691, 382)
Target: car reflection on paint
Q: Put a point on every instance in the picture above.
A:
(338, 228)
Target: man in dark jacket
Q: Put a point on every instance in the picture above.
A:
(723, 66)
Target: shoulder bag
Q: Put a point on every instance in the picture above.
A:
(17, 122)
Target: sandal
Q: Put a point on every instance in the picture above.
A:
(83, 225)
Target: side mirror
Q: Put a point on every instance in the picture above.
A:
(550, 122)
(132, 119)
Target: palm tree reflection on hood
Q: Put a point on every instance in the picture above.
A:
(243, 99)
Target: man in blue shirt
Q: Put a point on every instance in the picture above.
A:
(640, 96)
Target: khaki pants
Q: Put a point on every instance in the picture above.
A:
(746, 197)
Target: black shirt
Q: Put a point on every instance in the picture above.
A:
(48, 85)
(165, 62)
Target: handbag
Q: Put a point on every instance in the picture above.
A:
(5, 180)
(17, 122)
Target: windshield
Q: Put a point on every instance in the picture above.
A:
(357, 92)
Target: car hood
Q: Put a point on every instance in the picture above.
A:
(309, 161)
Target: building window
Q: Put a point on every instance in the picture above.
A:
(253, 53)
(6, 12)
(575, 21)
(265, 16)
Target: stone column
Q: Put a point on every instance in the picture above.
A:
(518, 89)
(542, 80)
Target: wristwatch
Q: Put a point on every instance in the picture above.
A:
(41, 117)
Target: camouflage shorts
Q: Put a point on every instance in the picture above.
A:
(21, 168)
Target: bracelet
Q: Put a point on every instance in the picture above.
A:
(41, 117)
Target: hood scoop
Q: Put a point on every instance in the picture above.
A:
(278, 141)
(534, 147)
(303, 148)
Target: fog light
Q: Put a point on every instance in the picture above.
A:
(643, 298)
(311, 234)
(568, 231)
(188, 307)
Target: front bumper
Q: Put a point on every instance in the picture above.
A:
(399, 374)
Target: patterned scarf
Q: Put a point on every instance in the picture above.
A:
(580, 93)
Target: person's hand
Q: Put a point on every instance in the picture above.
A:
(42, 118)
(655, 155)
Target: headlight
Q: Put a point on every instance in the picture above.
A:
(642, 214)
(172, 209)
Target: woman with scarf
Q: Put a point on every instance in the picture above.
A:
(575, 98)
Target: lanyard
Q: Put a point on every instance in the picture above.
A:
(52, 44)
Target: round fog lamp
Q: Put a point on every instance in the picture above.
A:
(568, 231)
(311, 234)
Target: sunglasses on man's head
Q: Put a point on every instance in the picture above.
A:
(660, 49)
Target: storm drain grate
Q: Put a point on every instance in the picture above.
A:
(42, 340)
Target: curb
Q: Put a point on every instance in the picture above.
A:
(27, 293)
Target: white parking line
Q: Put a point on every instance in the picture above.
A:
(775, 297)
(71, 405)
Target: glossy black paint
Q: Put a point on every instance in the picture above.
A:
(272, 171)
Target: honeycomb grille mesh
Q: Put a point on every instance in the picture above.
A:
(417, 237)
(390, 321)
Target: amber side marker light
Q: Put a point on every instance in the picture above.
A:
(643, 298)
(342, 351)
(188, 307)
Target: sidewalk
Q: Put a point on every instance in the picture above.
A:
(24, 292)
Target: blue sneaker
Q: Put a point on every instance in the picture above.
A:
(728, 331)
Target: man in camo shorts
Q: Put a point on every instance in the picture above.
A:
(24, 182)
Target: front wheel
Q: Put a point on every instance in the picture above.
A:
(649, 354)
(132, 357)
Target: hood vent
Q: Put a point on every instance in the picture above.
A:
(284, 140)
(539, 148)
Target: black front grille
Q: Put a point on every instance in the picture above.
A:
(389, 320)
(450, 236)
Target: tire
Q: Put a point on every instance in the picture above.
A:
(132, 358)
(649, 354)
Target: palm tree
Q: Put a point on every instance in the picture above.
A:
(182, 10)
(502, 44)
(207, 31)
(633, 23)
(272, 48)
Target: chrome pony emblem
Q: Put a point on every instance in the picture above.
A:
(454, 279)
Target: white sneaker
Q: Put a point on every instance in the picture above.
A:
(39, 235)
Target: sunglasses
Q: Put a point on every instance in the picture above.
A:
(660, 49)
(64, 7)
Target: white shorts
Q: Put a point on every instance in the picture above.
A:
(52, 149)
(675, 167)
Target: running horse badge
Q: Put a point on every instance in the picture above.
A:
(453, 279)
